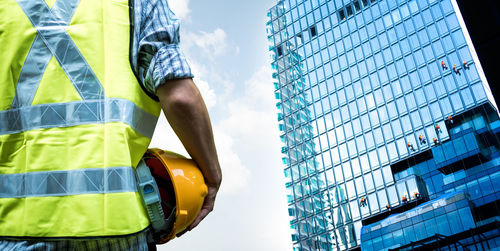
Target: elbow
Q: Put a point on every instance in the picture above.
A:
(183, 102)
(180, 95)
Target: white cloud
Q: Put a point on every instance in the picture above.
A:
(254, 111)
(208, 94)
(251, 127)
(252, 124)
(260, 88)
(198, 54)
(212, 44)
(180, 8)
(235, 174)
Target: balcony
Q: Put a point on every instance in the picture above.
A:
(411, 192)
(438, 216)
(454, 242)
(459, 153)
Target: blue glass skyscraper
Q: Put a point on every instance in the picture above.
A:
(390, 132)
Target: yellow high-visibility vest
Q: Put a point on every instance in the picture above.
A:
(74, 121)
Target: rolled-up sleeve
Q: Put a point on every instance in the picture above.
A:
(156, 56)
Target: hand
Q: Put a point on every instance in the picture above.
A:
(208, 206)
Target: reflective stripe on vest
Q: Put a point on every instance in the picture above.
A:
(70, 182)
(29, 118)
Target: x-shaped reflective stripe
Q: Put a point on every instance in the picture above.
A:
(53, 39)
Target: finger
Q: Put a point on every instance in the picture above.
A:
(195, 223)
(208, 205)
(181, 233)
(203, 213)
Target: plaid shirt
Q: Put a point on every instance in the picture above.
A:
(156, 58)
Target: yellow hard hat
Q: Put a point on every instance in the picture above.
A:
(181, 189)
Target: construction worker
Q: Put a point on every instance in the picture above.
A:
(83, 84)
(456, 70)
(435, 141)
(437, 128)
(363, 202)
(404, 199)
(466, 66)
(422, 139)
(410, 145)
(450, 119)
(443, 65)
(417, 195)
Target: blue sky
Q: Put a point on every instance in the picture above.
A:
(225, 43)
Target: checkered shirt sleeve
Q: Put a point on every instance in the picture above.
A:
(156, 56)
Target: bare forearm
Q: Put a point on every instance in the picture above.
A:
(188, 116)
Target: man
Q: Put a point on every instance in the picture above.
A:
(75, 121)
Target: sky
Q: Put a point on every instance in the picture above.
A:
(226, 45)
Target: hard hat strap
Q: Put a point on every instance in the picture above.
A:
(150, 195)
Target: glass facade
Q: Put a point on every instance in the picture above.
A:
(445, 216)
(383, 112)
